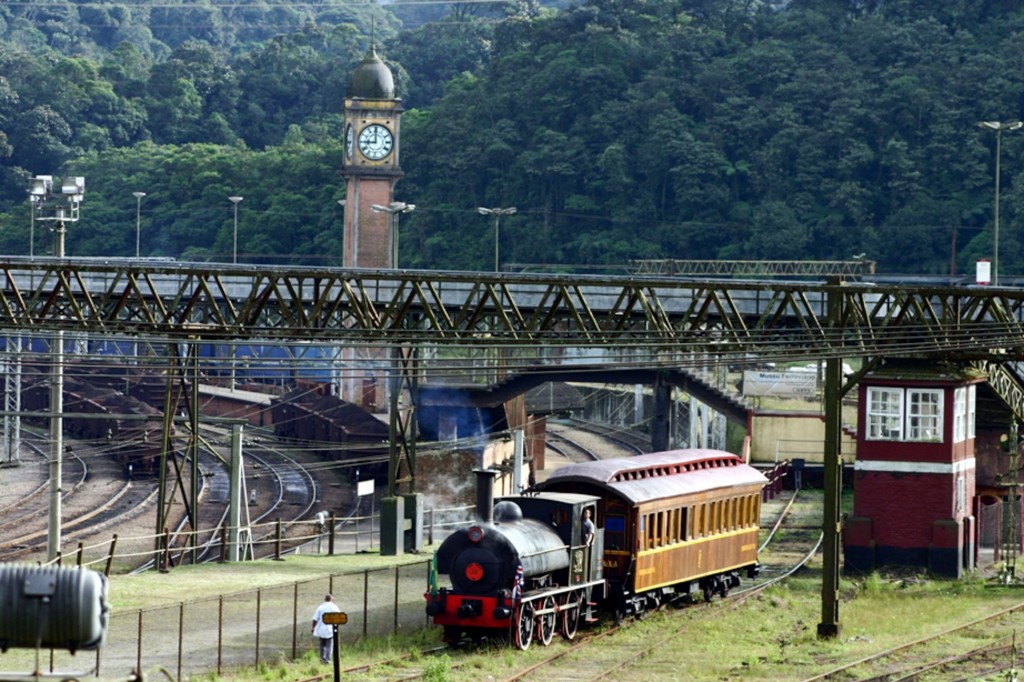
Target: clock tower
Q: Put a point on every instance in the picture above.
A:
(370, 166)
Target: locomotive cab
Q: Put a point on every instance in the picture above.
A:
(564, 514)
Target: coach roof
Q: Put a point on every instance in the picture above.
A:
(661, 474)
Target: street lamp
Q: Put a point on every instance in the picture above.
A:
(999, 127)
(60, 209)
(497, 213)
(138, 219)
(234, 249)
(393, 209)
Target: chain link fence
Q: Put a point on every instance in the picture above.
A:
(246, 628)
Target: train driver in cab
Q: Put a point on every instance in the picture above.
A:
(588, 528)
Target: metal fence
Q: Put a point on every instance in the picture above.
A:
(243, 628)
(266, 624)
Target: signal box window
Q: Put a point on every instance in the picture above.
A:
(912, 414)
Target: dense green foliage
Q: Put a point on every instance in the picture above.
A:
(656, 129)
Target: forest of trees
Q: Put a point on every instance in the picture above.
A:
(709, 129)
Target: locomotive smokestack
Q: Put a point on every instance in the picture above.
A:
(485, 494)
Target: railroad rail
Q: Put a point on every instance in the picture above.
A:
(992, 650)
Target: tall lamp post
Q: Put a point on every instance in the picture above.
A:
(497, 213)
(393, 210)
(138, 220)
(234, 249)
(998, 127)
(60, 209)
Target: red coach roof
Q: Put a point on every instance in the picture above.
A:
(661, 474)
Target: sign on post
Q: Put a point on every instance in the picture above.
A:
(340, 618)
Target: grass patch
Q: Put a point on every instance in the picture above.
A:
(153, 588)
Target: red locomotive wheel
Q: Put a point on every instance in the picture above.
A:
(546, 622)
(571, 607)
(524, 626)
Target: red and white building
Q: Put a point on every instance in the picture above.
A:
(916, 470)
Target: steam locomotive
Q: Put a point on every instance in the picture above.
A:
(666, 525)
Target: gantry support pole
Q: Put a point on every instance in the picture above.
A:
(829, 626)
(397, 508)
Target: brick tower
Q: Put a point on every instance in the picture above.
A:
(370, 166)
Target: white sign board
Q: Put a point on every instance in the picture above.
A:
(780, 383)
(984, 271)
(364, 488)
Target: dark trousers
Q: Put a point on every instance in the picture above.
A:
(326, 648)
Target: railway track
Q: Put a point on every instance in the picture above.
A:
(282, 488)
(94, 496)
(584, 442)
(982, 649)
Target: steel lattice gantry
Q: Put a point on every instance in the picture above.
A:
(771, 319)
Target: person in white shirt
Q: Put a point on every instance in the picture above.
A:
(322, 630)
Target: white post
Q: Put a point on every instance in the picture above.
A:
(235, 496)
(519, 441)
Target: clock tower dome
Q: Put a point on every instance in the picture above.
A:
(370, 165)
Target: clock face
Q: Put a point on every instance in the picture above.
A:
(349, 141)
(375, 142)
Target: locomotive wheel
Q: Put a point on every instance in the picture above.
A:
(524, 626)
(571, 615)
(546, 623)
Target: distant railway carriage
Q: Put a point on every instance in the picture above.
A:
(667, 524)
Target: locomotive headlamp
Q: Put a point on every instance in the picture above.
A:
(475, 572)
(476, 534)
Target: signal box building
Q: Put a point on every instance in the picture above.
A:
(914, 479)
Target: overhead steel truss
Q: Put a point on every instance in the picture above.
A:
(773, 320)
